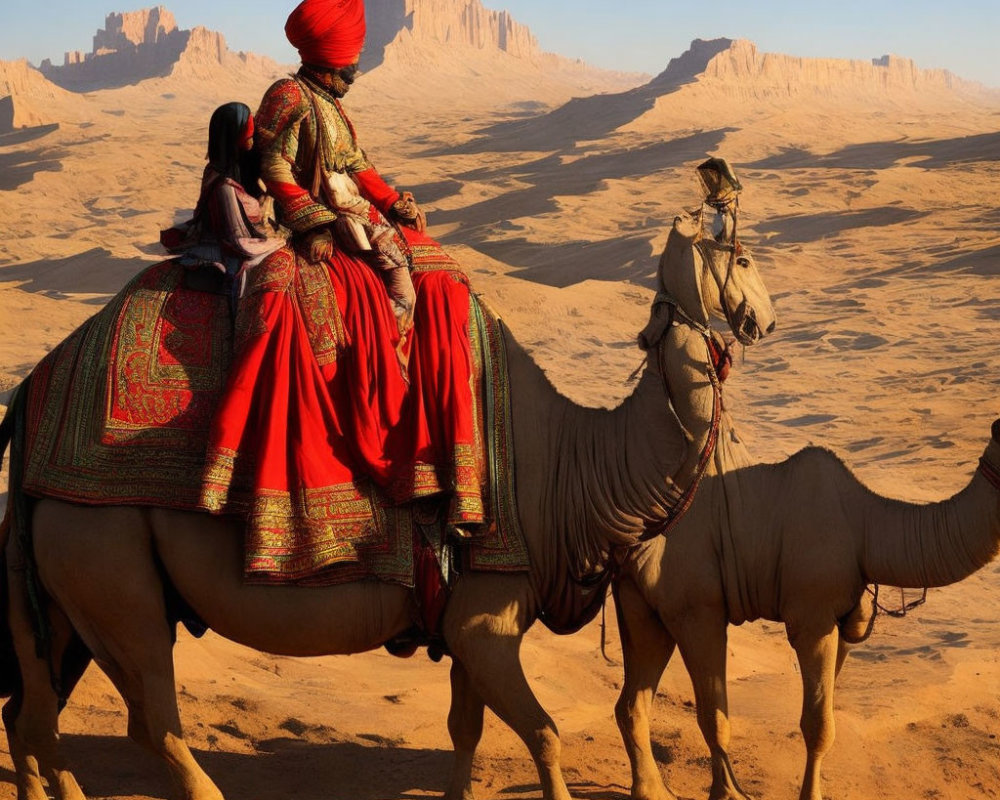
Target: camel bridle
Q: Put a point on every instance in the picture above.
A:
(735, 249)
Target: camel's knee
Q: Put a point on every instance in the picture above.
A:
(818, 733)
(544, 744)
(626, 711)
(465, 733)
(714, 727)
(623, 712)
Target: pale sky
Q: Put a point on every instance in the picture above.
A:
(631, 35)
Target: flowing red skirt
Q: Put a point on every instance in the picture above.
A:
(321, 427)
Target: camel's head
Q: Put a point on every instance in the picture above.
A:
(731, 288)
(708, 275)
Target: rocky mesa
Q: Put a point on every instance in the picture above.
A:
(742, 66)
(137, 45)
(463, 36)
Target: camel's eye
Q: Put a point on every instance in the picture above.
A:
(744, 262)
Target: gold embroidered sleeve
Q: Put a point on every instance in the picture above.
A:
(286, 164)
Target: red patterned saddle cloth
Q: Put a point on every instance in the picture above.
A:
(119, 414)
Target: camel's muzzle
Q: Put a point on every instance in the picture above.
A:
(747, 329)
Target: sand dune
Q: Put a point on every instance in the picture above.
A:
(870, 211)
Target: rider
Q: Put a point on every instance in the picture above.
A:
(318, 399)
(227, 234)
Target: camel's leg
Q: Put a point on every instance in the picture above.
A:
(465, 724)
(647, 647)
(31, 716)
(105, 578)
(817, 652)
(485, 635)
(701, 637)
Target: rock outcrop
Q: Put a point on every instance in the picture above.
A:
(138, 45)
(207, 57)
(451, 23)
(27, 99)
(6, 114)
(461, 40)
(132, 46)
(135, 28)
(742, 68)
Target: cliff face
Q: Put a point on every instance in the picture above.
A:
(745, 70)
(131, 47)
(26, 98)
(134, 28)
(206, 56)
(466, 22)
(138, 45)
(452, 23)
(460, 40)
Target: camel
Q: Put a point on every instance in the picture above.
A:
(796, 542)
(588, 481)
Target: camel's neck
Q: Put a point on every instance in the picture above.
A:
(936, 544)
(587, 479)
(622, 461)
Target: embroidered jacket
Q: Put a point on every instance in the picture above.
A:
(302, 132)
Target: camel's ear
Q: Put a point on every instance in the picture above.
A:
(995, 430)
(659, 319)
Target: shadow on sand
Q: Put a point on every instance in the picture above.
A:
(980, 262)
(590, 118)
(813, 227)
(94, 271)
(20, 167)
(22, 135)
(933, 154)
(627, 257)
(281, 768)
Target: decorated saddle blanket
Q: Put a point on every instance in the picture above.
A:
(120, 414)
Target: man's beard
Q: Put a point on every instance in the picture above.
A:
(338, 86)
(341, 79)
(336, 81)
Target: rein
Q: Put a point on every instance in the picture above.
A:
(683, 503)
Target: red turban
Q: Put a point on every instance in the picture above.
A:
(327, 33)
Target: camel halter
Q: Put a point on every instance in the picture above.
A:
(733, 246)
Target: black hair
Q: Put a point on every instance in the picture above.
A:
(225, 155)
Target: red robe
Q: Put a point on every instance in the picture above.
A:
(319, 429)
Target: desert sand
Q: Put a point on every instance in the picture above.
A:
(870, 203)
